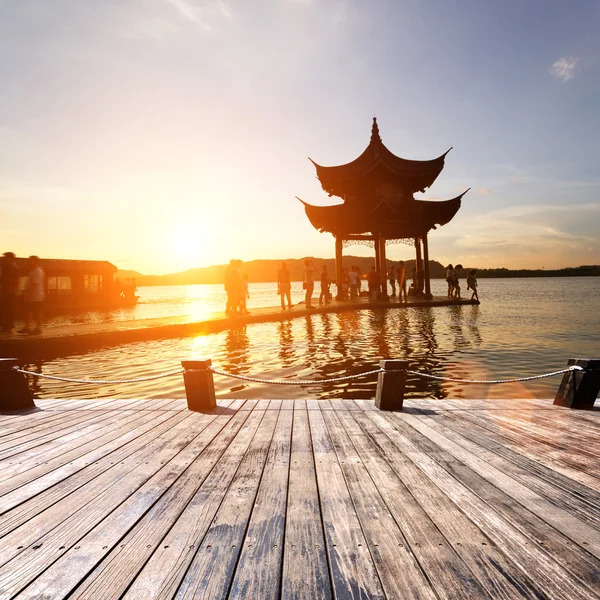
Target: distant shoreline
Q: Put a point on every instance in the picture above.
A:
(264, 271)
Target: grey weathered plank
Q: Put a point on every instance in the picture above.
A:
(400, 573)
(305, 569)
(353, 571)
(210, 574)
(451, 548)
(550, 578)
(258, 573)
(135, 529)
(175, 527)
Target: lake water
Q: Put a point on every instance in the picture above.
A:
(522, 327)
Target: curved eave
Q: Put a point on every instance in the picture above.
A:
(415, 175)
(416, 218)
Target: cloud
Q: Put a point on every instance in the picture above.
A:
(200, 11)
(483, 190)
(564, 68)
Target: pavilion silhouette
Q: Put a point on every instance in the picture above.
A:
(379, 207)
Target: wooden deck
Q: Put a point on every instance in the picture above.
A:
(293, 499)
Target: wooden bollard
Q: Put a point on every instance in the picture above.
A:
(579, 389)
(199, 385)
(14, 391)
(390, 384)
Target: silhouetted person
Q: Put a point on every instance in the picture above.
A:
(401, 275)
(244, 294)
(9, 285)
(325, 283)
(233, 286)
(456, 281)
(353, 280)
(449, 280)
(284, 285)
(472, 284)
(35, 292)
(309, 282)
(392, 280)
(374, 281)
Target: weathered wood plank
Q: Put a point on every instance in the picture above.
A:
(352, 568)
(458, 558)
(210, 574)
(305, 567)
(550, 578)
(258, 573)
(400, 573)
(130, 534)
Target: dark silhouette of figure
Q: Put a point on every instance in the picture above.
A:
(9, 285)
(472, 284)
(244, 294)
(449, 280)
(401, 278)
(35, 293)
(233, 286)
(373, 281)
(309, 282)
(284, 285)
(353, 281)
(392, 280)
(325, 283)
(456, 281)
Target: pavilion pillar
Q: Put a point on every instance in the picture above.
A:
(339, 267)
(377, 255)
(426, 266)
(383, 267)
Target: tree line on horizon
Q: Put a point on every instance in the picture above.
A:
(266, 271)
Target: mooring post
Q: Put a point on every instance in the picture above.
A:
(390, 384)
(199, 385)
(14, 391)
(579, 389)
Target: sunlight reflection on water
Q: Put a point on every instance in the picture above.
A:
(523, 327)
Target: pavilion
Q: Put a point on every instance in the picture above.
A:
(379, 207)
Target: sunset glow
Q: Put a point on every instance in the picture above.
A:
(163, 135)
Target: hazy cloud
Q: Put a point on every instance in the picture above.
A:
(564, 68)
(483, 190)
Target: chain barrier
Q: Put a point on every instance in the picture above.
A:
(99, 381)
(494, 381)
(293, 382)
(297, 381)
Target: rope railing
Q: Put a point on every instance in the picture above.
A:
(574, 392)
(298, 381)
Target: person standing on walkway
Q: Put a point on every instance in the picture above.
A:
(373, 281)
(472, 284)
(325, 283)
(392, 280)
(309, 282)
(244, 295)
(9, 284)
(284, 285)
(35, 292)
(456, 281)
(401, 277)
(449, 280)
(353, 280)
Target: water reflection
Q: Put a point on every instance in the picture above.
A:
(472, 342)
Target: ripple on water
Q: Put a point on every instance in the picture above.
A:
(506, 336)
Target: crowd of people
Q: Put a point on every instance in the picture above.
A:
(349, 286)
(453, 280)
(236, 287)
(34, 294)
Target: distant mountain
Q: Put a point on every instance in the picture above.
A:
(266, 270)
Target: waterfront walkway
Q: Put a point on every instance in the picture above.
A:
(72, 339)
(300, 499)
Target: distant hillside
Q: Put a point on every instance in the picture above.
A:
(266, 270)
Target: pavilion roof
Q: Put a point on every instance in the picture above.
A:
(377, 163)
(409, 219)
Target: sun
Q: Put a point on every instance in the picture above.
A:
(187, 249)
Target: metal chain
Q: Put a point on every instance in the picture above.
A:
(99, 381)
(493, 381)
(293, 382)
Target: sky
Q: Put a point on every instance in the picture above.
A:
(163, 135)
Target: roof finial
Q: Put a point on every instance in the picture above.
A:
(375, 137)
